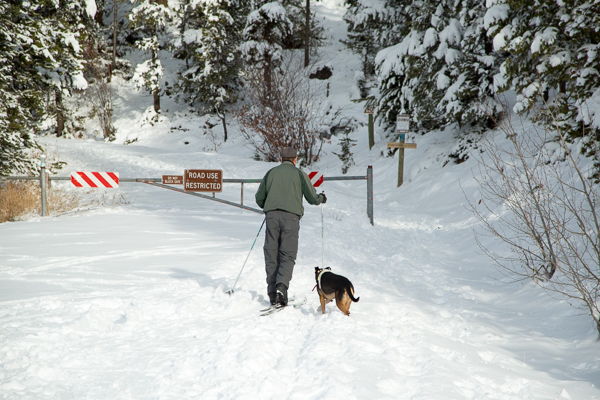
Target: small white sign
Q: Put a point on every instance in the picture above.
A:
(402, 123)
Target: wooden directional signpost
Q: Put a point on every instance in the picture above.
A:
(402, 127)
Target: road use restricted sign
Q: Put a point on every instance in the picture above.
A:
(203, 180)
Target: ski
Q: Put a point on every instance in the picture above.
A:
(273, 309)
(290, 302)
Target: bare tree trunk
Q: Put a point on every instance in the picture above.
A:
(114, 55)
(268, 79)
(99, 17)
(156, 92)
(60, 117)
(307, 35)
(222, 116)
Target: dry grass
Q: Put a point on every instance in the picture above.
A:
(21, 199)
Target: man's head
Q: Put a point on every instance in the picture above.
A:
(289, 154)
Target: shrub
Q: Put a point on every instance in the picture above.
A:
(21, 199)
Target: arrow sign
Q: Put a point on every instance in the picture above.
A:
(316, 178)
(402, 145)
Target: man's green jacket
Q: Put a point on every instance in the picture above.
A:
(282, 188)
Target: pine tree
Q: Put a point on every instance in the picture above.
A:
(412, 73)
(553, 60)
(372, 27)
(346, 155)
(150, 17)
(469, 98)
(442, 70)
(266, 30)
(296, 13)
(211, 78)
(40, 55)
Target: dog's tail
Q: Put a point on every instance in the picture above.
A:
(350, 291)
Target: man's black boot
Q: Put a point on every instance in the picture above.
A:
(273, 298)
(282, 297)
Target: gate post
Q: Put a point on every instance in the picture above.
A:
(43, 183)
(370, 193)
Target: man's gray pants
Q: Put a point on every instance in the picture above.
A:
(281, 247)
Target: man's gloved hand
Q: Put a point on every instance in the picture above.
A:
(324, 198)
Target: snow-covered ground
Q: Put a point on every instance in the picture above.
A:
(129, 301)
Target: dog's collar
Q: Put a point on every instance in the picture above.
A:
(319, 277)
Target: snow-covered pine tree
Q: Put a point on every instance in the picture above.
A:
(74, 19)
(211, 41)
(553, 61)
(412, 74)
(296, 13)
(373, 26)
(346, 155)
(16, 121)
(41, 56)
(442, 70)
(149, 17)
(469, 98)
(266, 29)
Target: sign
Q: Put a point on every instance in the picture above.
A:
(172, 179)
(203, 180)
(370, 110)
(95, 179)
(402, 145)
(402, 123)
(316, 178)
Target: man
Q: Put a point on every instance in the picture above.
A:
(280, 196)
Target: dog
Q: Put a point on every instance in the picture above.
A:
(330, 286)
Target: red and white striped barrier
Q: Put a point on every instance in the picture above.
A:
(316, 178)
(95, 179)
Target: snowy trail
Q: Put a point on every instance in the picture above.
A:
(129, 302)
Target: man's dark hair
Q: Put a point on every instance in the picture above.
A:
(288, 159)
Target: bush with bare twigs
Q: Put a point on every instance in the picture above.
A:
(21, 199)
(540, 201)
(99, 92)
(291, 115)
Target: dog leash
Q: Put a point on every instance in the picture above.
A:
(322, 240)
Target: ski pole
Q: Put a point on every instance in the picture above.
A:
(230, 292)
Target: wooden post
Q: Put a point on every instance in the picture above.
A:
(43, 183)
(401, 162)
(371, 128)
(370, 193)
(371, 132)
(402, 127)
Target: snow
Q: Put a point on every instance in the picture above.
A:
(128, 300)
(91, 8)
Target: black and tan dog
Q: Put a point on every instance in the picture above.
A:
(330, 286)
